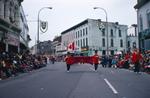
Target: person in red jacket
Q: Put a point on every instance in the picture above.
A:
(136, 58)
(69, 61)
(95, 60)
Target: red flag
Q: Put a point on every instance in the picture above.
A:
(71, 46)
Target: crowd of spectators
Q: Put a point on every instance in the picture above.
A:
(12, 64)
(125, 61)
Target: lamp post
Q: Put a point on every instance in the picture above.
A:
(106, 27)
(38, 20)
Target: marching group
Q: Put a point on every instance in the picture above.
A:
(130, 60)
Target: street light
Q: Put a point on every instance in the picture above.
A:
(106, 26)
(38, 20)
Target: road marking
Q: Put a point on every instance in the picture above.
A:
(111, 87)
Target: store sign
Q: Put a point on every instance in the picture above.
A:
(12, 39)
(84, 49)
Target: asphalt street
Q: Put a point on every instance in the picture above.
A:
(82, 81)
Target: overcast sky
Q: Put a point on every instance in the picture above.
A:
(67, 13)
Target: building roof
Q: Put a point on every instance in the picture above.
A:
(74, 27)
(140, 3)
(58, 38)
(85, 22)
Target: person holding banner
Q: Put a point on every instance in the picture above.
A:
(69, 61)
(96, 60)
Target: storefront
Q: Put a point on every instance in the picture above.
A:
(9, 37)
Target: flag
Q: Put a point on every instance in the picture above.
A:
(71, 46)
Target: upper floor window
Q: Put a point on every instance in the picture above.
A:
(103, 32)
(103, 42)
(121, 43)
(148, 19)
(134, 44)
(78, 43)
(78, 34)
(5, 10)
(120, 35)
(83, 32)
(112, 43)
(86, 30)
(141, 23)
(83, 42)
(86, 41)
(128, 43)
(111, 32)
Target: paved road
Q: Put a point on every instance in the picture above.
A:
(81, 82)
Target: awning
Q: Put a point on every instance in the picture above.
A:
(5, 28)
(5, 25)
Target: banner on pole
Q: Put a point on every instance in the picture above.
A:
(43, 26)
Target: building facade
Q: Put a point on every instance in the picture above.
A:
(132, 38)
(11, 25)
(24, 34)
(143, 20)
(91, 34)
(57, 46)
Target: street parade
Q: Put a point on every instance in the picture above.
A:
(74, 48)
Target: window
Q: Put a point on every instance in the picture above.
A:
(83, 42)
(78, 43)
(86, 30)
(78, 34)
(121, 43)
(103, 42)
(103, 32)
(112, 52)
(83, 32)
(120, 33)
(128, 43)
(148, 20)
(134, 44)
(141, 23)
(5, 10)
(112, 43)
(111, 32)
(86, 41)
